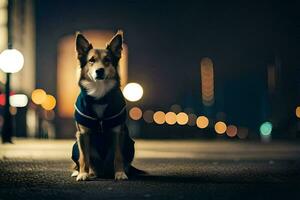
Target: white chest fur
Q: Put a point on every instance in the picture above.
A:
(99, 88)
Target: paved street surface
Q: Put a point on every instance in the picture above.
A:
(40, 169)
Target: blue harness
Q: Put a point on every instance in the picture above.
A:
(112, 105)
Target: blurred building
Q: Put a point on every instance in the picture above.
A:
(23, 35)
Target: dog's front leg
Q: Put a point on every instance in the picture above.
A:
(83, 140)
(118, 142)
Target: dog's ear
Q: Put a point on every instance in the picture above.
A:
(115, 44)
(82, 45)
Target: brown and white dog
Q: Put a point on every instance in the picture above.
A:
(103, 147)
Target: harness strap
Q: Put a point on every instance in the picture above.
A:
(84, 115)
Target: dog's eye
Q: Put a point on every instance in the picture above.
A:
(106, 60)
(92, 60)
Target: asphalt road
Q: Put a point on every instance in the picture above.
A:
(35, 169)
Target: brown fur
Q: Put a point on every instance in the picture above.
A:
(117, 138)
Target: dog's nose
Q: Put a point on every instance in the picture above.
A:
(100, 73)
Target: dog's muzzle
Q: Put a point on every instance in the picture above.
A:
(100, 74)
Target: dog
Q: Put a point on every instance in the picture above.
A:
(103, 146)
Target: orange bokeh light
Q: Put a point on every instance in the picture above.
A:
(171, 118)
(298, 111)
(38, 96)
(159, 117)
(231, 131)
(135, 113)
(220, 127)
(49, 103)
(202, 122)
(207, 81)
(182, 118)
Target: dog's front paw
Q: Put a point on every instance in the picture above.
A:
(82, 176)
(74, 173)
(120, 176)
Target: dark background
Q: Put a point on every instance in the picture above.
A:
(167, 39)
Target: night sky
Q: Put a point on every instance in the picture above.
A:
(167, 39)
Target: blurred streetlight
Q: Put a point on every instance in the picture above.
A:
(159, 117)
(49, 103)
(18, 100)
(298, 111)
(220, 127)
(182, 118)
(133, 92)
(11, 61)
(207, 81)
(38, 96)
(135, 113)
(266, 129)
(202, 122)
(171, 118)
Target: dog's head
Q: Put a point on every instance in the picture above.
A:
(99, 64)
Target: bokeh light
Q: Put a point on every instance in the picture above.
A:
(38, 96)
(192, 119)
(11, 60)
(135, 113)
(18, 100)
(13, 110)
(207, 81)
(220, 127)
(148, 116)
(159, 117)
(182, 118)
(202, 122)
(176, 108)
(133, 92)
(266, 128)
(171, 118)
(49, 102)
(231, 131)
(298, 111)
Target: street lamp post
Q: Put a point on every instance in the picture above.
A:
(7, 125)
(11, 61)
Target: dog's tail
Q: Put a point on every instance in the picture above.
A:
(135, 171)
